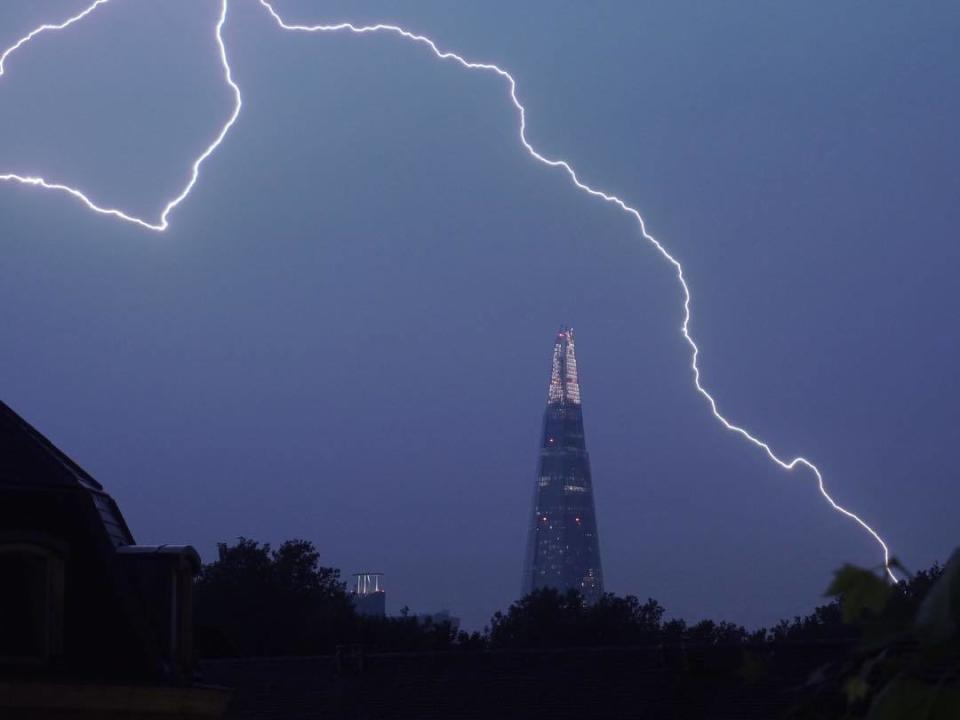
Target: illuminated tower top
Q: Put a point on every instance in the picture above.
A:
(564, 385)
(563, 547)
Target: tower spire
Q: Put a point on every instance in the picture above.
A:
(563, 549)
(564, 383)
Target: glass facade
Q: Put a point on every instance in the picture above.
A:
(563, 549)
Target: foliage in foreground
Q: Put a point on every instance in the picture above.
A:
(906, 663)
(895, 648)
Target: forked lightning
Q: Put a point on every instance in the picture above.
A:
(163, 222)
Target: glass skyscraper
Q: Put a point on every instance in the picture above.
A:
(563, 550)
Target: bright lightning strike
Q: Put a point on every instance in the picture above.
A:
(164, 221)
(531, 150)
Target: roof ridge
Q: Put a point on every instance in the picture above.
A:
(46, 445)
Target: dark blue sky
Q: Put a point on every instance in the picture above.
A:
(345, 334)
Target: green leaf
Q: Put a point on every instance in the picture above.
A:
(894, 564)
(859, 590)
(909, 698)
(855, 689)
(939, 614)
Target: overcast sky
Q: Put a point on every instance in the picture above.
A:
(345, 335)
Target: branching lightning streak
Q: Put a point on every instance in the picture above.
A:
(45, 28)
(788, 465)
(164, 221)
(614, 200)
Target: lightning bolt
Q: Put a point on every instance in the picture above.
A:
(563, 165)
(164, 222)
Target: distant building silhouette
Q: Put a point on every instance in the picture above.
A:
(563, 550)
(369, 594)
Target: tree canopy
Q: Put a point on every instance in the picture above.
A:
(254, 600)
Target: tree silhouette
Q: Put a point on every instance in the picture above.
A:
(547, 618)
(256, 601)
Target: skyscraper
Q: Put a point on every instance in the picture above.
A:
(563, 550)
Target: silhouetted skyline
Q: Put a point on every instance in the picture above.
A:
(342, 337)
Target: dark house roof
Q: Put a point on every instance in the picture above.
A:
(114, 602)
(25, 451)
(29, 460)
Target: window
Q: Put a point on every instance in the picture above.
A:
(31, 604)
